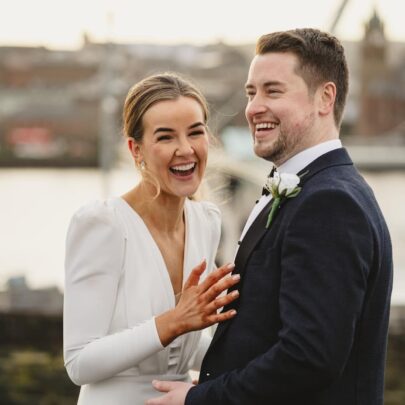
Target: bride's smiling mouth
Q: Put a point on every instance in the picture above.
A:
(183, 170)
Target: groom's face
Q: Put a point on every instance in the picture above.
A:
(280, 109)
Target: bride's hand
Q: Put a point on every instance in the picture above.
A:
(198, 304)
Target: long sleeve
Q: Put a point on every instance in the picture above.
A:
(95, 252)
(203, 344)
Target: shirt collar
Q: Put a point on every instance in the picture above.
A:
(307, 156)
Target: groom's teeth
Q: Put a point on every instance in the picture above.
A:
(266, 125)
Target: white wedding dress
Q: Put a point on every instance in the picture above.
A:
(116, 283)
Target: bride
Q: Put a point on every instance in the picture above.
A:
(140, 279)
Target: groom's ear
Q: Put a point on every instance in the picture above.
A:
(326, 98)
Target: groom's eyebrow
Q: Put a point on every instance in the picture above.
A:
(272, 83)
(269, 83)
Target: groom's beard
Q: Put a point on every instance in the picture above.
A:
(290, 141)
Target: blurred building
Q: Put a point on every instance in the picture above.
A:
(382, 85)
(48, 107)
(20, 298)
(63, 108)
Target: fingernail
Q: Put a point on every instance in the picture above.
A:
(233, 312)
(230, 265)
(235, 293)
(236, 277)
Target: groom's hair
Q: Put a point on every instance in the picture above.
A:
(321, 59)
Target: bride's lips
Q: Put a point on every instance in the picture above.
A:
(183, 171)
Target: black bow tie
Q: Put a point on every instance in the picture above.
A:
(271, 174)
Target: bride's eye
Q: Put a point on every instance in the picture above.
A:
(196, 133)
(163, 138)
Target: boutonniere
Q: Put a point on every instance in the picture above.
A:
(281, 186)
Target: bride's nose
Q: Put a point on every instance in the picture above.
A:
(184, 148)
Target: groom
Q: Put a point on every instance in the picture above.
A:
(316, 282)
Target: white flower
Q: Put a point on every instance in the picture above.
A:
(281, 185)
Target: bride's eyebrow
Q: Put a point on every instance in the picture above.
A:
(197, 124)
(166, 129)
(162, 129)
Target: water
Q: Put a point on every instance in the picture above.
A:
(36, 206)
(35, 209)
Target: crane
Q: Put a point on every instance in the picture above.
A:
(338, 15)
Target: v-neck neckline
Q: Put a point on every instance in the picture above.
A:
(156, 246)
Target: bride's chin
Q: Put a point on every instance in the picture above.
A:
(183, 193)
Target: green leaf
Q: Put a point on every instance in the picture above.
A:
(274, 207)
(294, 193)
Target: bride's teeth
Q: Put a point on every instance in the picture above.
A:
(184, 167)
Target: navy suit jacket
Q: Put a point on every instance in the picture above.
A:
(314, 302)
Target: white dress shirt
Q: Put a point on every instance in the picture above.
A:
(293, 165)
(116, 283)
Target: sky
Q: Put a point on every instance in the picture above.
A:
(60, 24)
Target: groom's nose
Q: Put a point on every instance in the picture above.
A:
(255, 106)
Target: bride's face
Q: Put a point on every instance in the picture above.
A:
(175, 145)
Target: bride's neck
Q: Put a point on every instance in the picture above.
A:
(164, 212)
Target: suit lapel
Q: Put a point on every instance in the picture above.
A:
(337, 157)
(253, 236)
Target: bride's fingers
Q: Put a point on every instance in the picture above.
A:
(215, 276)
(223, 316)
(220, 302)
(194, 277)
(220, 286)
(225, 300)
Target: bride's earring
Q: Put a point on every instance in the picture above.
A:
(142, 165)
